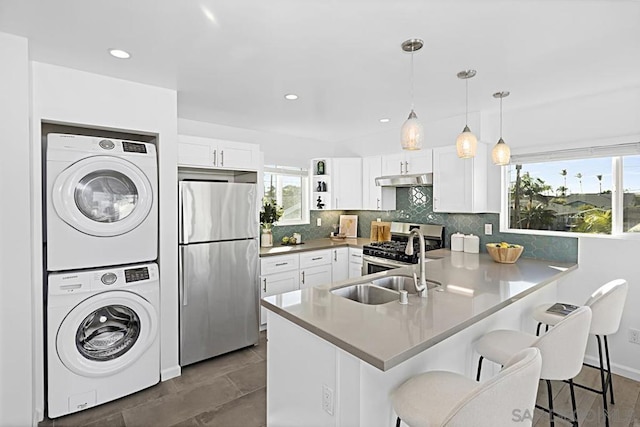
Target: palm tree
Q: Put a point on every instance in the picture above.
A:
(579, 176)
(564, 175)
(594, 220)
(600, 182)
(562, 190)
(537, 217)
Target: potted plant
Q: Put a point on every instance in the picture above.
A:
(269, 215)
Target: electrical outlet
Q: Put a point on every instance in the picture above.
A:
(634, 336)
(378, 219)
(327, 399)
(319, 222)
(488, 229)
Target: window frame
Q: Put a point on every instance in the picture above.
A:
(297, 172)
(615, 152)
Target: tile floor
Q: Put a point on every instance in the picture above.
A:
(230, 391)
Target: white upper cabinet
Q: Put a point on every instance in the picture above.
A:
(211, 153)
(374, 197)
(407, 162)
(340, 184)
(460, 185)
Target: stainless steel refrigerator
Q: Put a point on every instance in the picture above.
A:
(218, 268)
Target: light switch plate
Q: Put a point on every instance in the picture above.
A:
(488, 229)
(319, 222)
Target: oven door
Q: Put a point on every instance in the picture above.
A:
(371, 264)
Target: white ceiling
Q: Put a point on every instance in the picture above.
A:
(232, 61)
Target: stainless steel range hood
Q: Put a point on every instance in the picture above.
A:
(405, 180)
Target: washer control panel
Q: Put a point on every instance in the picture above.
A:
(136, 274)
(109, 278)
(132, 147)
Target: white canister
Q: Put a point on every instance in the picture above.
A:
(457, 242)
(298, 237)
(471, 244)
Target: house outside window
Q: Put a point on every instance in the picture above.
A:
(289, 187)
(592, 191)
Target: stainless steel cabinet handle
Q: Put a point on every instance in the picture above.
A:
(406, 167)
(401, 168)
(221, 157)
(265, 285)
(279, 264)
(316, 258)
(335, 255)
(356, 255)
(377, 203)
(303, 277)
(215, 157)
(336, 202)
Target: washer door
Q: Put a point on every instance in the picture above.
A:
(106, 333)
(102, 196)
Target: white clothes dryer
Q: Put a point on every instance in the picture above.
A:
(102, 336)
(101, 202)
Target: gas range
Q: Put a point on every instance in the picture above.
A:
(392, 254)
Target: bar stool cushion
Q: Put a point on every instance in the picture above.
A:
(500, 345)
(441, 398)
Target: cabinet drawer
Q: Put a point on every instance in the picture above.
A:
(355, 256)
(310, 259)
(278, 264)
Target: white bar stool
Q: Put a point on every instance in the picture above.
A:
(440, 398)
(607, 305)
(562, 350)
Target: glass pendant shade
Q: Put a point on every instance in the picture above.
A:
(466, 144)
(412, 133)
(501, 153)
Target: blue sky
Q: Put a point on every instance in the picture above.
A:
(589, 168)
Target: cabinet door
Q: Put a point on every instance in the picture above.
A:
(195, 151)
(313, 258)
(371, 194)
(355, 262)
(274, 284)
(347, 183)
(339, 264)
(420, 161)
(314, 276)
(238, 155)
(452, 181)
(393, 164)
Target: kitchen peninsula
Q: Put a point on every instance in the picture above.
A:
(334, 361)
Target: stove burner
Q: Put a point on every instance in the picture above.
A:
(394, 250)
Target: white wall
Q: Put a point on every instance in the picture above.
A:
(16, 344)
(278, 149)
(62, 95)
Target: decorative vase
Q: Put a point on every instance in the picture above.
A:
(319, 187)
(266, 239)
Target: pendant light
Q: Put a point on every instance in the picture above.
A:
(412, 132)
(466, 143)
(501, 153)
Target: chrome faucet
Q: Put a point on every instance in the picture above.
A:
(422, 286)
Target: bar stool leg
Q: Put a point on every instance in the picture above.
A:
(479, 368)
(573, 403)
(398, 422)
(606, 350)
(550, 394)
(538, 329)
(603, 382)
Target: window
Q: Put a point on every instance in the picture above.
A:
(595, 190)
(289, 187)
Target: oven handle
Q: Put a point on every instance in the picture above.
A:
(383, 261)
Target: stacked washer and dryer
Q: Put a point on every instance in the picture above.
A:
(103, 288)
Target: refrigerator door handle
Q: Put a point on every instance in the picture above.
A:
(183, 287)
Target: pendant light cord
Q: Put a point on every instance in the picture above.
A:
(501, 117)
(466, 102)
(412, 88)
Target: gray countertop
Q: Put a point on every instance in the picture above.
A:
(313, 245)
(473, 287)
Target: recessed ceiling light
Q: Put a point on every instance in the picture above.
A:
(291, 96)
(119, 53)
(385, 120)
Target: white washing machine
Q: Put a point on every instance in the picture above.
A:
(101, 202)
(102, 336)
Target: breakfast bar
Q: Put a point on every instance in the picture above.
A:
(333, 360)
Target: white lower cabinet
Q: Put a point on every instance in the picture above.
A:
(277, 283)
(314, 276)
(355, 262)
(339, 264)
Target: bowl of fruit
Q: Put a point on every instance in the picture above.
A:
(286, 240)
(504, 253)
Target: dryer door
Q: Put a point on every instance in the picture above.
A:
(102, 196)
(106, 333)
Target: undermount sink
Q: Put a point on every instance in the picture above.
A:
(380, 291)
(399, 283)
(366, 293)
